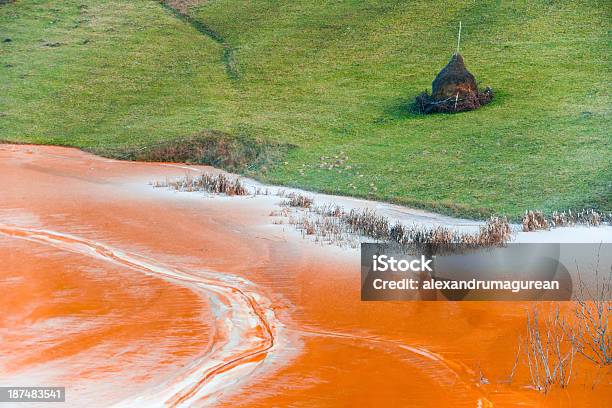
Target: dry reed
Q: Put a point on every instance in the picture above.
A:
(332, 224)
(217, 184)
(535, 220)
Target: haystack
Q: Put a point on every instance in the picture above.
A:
(453, 90)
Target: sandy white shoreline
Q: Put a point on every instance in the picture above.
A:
(412, 216)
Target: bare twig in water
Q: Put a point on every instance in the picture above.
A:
(592, 311)
(516, 361)
(551, 346)
(550, 350)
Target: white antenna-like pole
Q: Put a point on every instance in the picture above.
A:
(458, 38)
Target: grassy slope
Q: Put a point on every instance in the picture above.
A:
(124, 72)
(334, 79)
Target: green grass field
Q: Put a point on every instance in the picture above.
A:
(335, 79)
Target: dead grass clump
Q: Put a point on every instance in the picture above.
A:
(324, 229)
(407, 235)
(367, 223)
(332, 210)
(279, 213)
(298, 200)
(217, 184)
(308, 227)
(262, 191)
(561, 219)
(496, 231)
(534, 221)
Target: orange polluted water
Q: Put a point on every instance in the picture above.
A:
(135, 296)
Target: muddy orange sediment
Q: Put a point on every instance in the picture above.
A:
(88, 322)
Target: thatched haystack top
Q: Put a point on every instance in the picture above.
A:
(453, 90)
(454, 78)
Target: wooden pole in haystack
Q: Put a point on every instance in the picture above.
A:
(458, 38)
